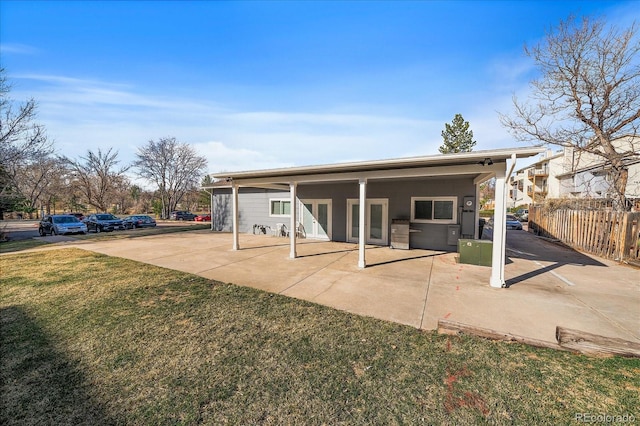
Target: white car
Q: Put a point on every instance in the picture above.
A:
(60, 224)
(523, 214)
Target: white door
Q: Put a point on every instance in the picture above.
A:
(377, 221)
(315, 216)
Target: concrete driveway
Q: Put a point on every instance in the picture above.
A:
(548, 285)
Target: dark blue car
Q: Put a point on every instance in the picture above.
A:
(181, 215)
(138, 221)
(103, 222)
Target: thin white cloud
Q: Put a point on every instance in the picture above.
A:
(76, 91)
(17, 48)
(508, 72)
(222, 158)
(331, 119)
(82, 114)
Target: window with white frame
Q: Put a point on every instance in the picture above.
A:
(434, 209)
(279, 207)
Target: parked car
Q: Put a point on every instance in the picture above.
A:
(513, 222)
(481, 223)
(181, 215)
(203, 218)
(103, 222)
(138, 221)
(523, 215)
(80, 216)
(60, 224)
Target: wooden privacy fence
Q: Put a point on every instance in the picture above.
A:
(614, 235)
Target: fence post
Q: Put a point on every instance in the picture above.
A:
(635, 236)
(623, 252)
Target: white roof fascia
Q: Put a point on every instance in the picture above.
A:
(276, 186)
(321, 173)
(483, 178)
(216, 186)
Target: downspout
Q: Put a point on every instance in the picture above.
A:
(513, 166)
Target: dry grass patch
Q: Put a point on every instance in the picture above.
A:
(91, 339)
(13, 246)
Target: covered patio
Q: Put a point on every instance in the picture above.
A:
(477, 166)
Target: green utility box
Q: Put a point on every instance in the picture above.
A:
(475, 252)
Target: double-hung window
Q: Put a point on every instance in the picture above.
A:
(434, 209)
(279, 207)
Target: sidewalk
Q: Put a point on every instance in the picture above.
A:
(549, 285)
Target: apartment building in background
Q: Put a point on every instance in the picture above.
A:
(535, 183)
(569, 173)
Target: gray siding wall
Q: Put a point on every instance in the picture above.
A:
(399, 193)
(222, 210)
(254, 209)
(254, 205)
(432, 236)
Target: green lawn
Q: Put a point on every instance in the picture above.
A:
(91, 339)
(13, 246)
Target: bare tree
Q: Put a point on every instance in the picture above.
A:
(39, 179)
(97, 177)
(140, 199)
(59, 191)
(22, 140)
(173, 167)
(487, 191)
(122, 194)
(587, 96)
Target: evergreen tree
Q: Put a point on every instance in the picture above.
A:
(205, 195)
(457, 137)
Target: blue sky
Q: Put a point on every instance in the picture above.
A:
(262, 84)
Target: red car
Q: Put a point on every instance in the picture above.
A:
(203, 218)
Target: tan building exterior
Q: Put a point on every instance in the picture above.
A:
(569, 173)
(536, 182)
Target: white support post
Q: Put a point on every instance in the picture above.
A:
(292, 223)
(476, 209)
(499, 233)
(236, 239)
(362, 230)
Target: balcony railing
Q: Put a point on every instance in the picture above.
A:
(531, 190)
(533, 173)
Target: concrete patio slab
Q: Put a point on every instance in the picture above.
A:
(370, 295)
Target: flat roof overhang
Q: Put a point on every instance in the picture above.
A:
(480, 164)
